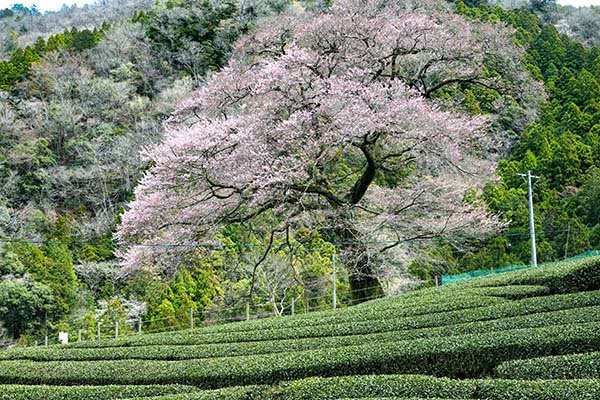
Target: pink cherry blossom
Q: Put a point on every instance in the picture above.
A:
(313, 110)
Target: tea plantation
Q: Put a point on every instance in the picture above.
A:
(522, 335)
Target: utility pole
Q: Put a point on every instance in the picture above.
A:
(334, 282)
(46, 328)
(293, 305)
(567, 243)
(528, 176)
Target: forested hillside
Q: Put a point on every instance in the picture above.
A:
(86, 96)
(21, 26)
(77, 108)
(561, 146)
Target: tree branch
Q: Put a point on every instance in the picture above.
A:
(360, 187)
(474, 81)
(331, 198)
(257, 264)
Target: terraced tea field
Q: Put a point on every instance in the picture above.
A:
(523, 335)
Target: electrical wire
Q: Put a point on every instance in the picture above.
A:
(219, 246)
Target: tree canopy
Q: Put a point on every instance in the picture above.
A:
(330, 120)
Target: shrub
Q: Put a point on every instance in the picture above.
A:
(326, 328)
(42, 392)
(558, 367)
(282, 328)
(372, 386)
(562, 277)
(181, 352)
(458, 356)
(539, 390)
(428, 387)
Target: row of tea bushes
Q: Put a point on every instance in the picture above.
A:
(428, 387)
(511, 292)
(108, 392)
(326, 328)
(289, 327)
(415, 387)
(562, 277)
(182, 352)
(570, 366)
(457, 356)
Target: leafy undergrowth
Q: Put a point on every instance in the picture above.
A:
(489, 338)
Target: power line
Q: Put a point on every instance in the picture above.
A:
(220, 246)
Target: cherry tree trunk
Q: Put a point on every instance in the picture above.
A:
(364, 284)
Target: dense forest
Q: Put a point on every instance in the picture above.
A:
(89, 95)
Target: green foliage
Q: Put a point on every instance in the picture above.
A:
(352, 336)
(108, 392)
(376, 386)
(27, 160)
(297, 269)
(17, 68)
(309, 325)
(563, 277)
(164, 317)
(204, 30)
(463, 331)
(23, 305)
(462, 356)
(428, 387)
(561, 147)
(51, 265)
(38, 285)
(539, 390)
(113, 314)
(87, 325)
(9, 262)
(571, 366)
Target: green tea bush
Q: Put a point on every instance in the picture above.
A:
(289, 327)
(457, 356)
(511, 292)
(372, 386)
(326, 328)
(232, 393)
(392, 386)
(109, 392)
(496, 389)
(558, 367)
(562, 277)
(182, 352)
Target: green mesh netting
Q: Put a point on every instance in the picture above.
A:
(483, 272)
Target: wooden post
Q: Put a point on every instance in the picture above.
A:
(191, 318)
(99, 325)
(293, 305)
(117, 330)
(139, 330)
(247, 311)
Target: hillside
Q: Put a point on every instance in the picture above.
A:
(89, 96)
(462, 341)
(21, 26)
